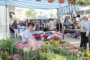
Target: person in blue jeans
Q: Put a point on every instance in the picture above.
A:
(27, 34)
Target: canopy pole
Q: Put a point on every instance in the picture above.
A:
(7, 21)
(58, 12)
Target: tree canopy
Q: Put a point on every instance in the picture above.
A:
(31, 13)
(80, 2)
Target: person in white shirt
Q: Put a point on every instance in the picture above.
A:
(88, 32)
(27, 34)
(51, 25)
(83, 32)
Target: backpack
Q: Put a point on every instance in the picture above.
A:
(66, 23)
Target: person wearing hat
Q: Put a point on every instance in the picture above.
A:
(83, 31)
(27, 34)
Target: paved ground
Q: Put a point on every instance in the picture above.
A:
(72, 40)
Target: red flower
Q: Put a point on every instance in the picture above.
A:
(11, 58)
(37, 36)
(45, 36)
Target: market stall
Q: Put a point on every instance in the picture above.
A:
(48, 45)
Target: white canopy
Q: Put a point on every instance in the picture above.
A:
(43, 4)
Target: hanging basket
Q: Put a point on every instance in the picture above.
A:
(50, 1)
(61, 1)
(38, 0)
(73, 2)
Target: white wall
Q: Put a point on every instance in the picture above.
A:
(2, 20)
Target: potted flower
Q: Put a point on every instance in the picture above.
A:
(45, 36)
(8, 45)
(56, 39)
(37, 36)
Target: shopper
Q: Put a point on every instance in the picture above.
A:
(37, 26)
(45, 26)
(59, 26)
(66, 23)
(27, 34)
(88, 32)
(15, 26)
(83, 32)
(51, 25)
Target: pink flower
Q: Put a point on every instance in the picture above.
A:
(38, 45)
(56, 36)
(20, 45)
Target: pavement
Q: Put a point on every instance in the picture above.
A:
(72, 40)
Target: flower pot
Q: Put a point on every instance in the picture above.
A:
(56, 42)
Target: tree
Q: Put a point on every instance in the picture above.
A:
(80, 2)
(52, 15)
(39, 16)
(14, 18)
(31, 13)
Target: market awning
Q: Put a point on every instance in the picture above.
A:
(43, 4)
(68, 9)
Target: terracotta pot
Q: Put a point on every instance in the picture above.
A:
(38, 0)
(50, 1)
(73, 2)
(61, 1)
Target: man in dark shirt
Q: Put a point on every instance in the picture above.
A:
(59, 26)
(15, 26)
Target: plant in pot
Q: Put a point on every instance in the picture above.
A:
(37, 36)
(56, 50)
(42, 55)
(56, 39)
(8, 45)
(25, 54)
(45, 36)
(6, 56)
(45, 47)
